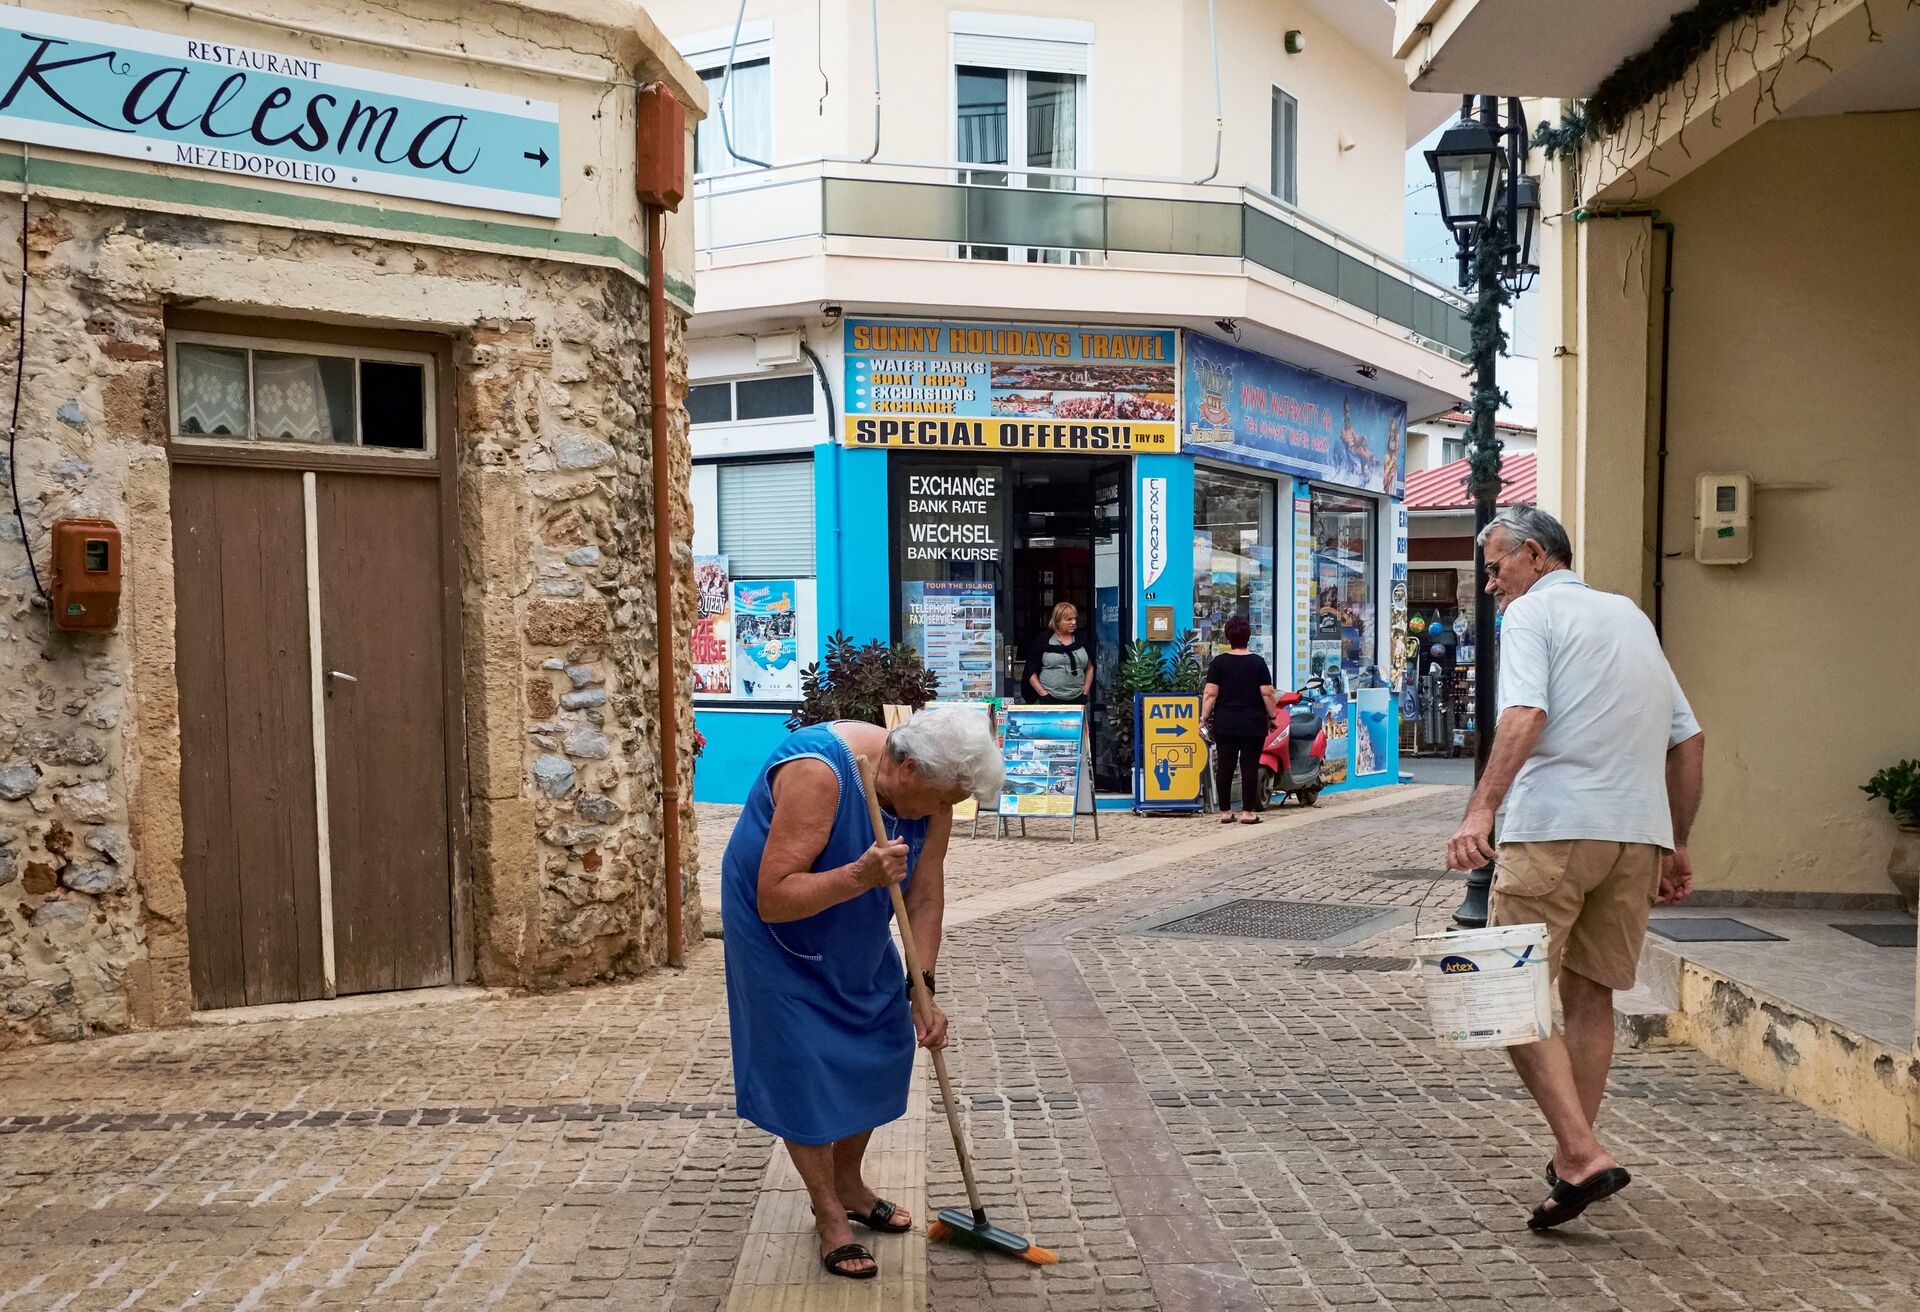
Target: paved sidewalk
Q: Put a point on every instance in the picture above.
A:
(1208, 1123)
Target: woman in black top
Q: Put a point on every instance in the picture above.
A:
(1239, 708)
(1060, 663)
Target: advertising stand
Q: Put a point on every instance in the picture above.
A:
(1044, 751)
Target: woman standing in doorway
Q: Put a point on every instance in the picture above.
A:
(1238, 706)
(1060, 663)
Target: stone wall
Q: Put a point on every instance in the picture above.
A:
(564, 856)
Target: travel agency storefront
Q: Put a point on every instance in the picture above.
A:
(985, 472)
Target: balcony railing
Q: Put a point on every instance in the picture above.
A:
(1045, 215)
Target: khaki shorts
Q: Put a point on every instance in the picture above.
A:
(1592, 896)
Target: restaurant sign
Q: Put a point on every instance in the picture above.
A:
(931, 385)
(166, 99)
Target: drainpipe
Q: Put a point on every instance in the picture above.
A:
(663, 574)
(660, 183)
(1219, 114)
(1666, 355)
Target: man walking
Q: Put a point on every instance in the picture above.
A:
(1598, 759)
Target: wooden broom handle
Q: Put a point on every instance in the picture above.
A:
(917, 987)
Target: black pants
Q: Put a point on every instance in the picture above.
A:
(1228, 750)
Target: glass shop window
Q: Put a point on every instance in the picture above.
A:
(236, 389)
(1345, 611)
(1233, 572)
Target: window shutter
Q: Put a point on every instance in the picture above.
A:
(766, 519)
(1033, 54)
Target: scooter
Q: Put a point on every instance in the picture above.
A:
(1290, 759)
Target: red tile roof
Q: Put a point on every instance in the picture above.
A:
(1445, 488)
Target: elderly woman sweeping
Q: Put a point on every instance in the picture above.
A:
(823, 1033)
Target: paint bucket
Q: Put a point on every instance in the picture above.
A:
(1487, 988)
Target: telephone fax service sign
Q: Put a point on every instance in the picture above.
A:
(167, 99)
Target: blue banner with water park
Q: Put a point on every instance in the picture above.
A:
(1251, 409)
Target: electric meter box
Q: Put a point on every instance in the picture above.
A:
(86, 574)
(1723, 532)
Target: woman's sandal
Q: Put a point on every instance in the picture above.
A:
(836, 1262)
(1227, 819)
(881, 1218)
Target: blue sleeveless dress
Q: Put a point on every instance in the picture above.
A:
(822, 1031)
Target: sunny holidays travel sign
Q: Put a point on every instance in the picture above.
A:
(167, 99)
(1020, 387)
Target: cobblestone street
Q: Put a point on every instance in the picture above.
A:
(1191, 1122)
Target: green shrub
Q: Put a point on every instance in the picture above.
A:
(855, 682)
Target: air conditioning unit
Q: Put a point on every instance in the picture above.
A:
(771, 350)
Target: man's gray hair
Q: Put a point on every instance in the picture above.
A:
(1523, 524)
(954, 748)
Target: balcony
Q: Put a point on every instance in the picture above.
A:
(1040, 217)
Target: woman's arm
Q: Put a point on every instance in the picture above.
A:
(1086, 688)
(805, 795)
(1208, 695)
(1271, 698)
(927, 894)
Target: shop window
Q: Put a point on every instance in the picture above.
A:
(749, 113)
(782, 396)
(756, 601)
(1345, 611)
(236, 389)
(766, 519)
(1285, 174)
(1233, 571)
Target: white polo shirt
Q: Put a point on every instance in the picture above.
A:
(1590, 660)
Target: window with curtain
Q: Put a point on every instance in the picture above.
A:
(749, 117)
(766, 519)
(1286, 147)
(237, 389)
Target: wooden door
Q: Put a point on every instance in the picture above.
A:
(384, 673)
(247, 799)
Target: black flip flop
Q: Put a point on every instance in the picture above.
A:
(1569, 1200)
(880, 1218)
(835, 1262)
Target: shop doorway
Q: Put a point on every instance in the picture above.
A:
(983, 552)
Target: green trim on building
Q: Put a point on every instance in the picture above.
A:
(129, 184)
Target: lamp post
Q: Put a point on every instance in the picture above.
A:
(1492, 207)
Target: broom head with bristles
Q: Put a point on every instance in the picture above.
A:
(973, 1230)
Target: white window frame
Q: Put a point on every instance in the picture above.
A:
(733, 380)
(295, 346)
(1286, 188)
(706, 51)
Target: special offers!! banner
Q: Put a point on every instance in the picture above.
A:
(1040, 388)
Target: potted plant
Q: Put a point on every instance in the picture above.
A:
(1899, 787)
(859, 682)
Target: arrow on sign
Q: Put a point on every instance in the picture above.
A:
(539, 157)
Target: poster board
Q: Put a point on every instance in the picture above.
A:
(952, 624)
(1043, 750)
(712, 626)
(766, 633)
(1373, 733)
(1169, 755)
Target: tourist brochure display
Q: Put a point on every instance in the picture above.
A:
(1044, 752)
(1169, 755)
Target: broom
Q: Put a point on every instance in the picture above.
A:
(973, 1229)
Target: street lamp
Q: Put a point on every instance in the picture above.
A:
(1525, 261)
(1470, 162)
(1466, 164)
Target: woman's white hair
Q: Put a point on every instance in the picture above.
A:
(953, 747)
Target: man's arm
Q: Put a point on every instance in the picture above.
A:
(1686, 771)
(1513, 742)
